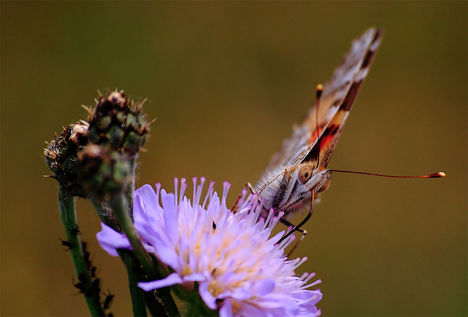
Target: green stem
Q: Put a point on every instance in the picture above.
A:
(153, 303)
(137, 294)
(105, 214)
(193, 303)
(131, 189)
(69, 220)
(196, 307)
(119, 206)
(140, 297)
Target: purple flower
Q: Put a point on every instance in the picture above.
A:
(240, 269)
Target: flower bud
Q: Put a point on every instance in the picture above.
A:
(103, 172)
(61, 157)
(116, 122)
(96, 158)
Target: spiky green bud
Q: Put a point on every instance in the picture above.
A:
(117, 122)
(103, 172)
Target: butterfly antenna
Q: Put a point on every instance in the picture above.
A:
(433, 175)
(318, 95)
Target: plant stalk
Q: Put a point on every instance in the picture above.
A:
(136, 293)
(69, 221)
(119, 206)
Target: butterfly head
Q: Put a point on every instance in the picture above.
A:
(290, 191)
(306, 178)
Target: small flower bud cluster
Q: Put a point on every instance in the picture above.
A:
(61, 157)
(94, 158)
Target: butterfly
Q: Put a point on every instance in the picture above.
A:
(298, 173)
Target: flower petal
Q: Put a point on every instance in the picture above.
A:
(226, 309)
(110, 240)
(264, 287)
(209, 300)
(169, 280)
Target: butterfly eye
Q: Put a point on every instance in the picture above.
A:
(305, 174)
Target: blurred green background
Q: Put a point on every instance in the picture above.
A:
(226, 81)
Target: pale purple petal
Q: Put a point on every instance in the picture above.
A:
(226, 309)
(209, 300)
(147, 201)
(171, 214)
(240, 293)
(167, 255)
(170, 280)
(194, 277)
(309, 295)
(264, 287)
(313, 299)
(110, 240)
(250, 310)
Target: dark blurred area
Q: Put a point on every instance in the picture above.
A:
(225, 82)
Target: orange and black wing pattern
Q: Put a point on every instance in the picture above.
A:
(336, 101)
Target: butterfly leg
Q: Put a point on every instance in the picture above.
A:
(250, 188)
(235, 207)
(307, 217)
(289, 224)
(303, 231)
(295, 245)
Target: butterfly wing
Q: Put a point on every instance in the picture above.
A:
(332, 132)
(336, 101)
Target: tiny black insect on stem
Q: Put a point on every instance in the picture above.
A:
(108, 300)
(66, 244)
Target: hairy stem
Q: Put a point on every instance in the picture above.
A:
(69, 221)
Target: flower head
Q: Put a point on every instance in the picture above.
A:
(240, 269)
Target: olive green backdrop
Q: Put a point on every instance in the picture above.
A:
(226, 81)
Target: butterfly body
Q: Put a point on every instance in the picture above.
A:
(287, 193)
(298, 172)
